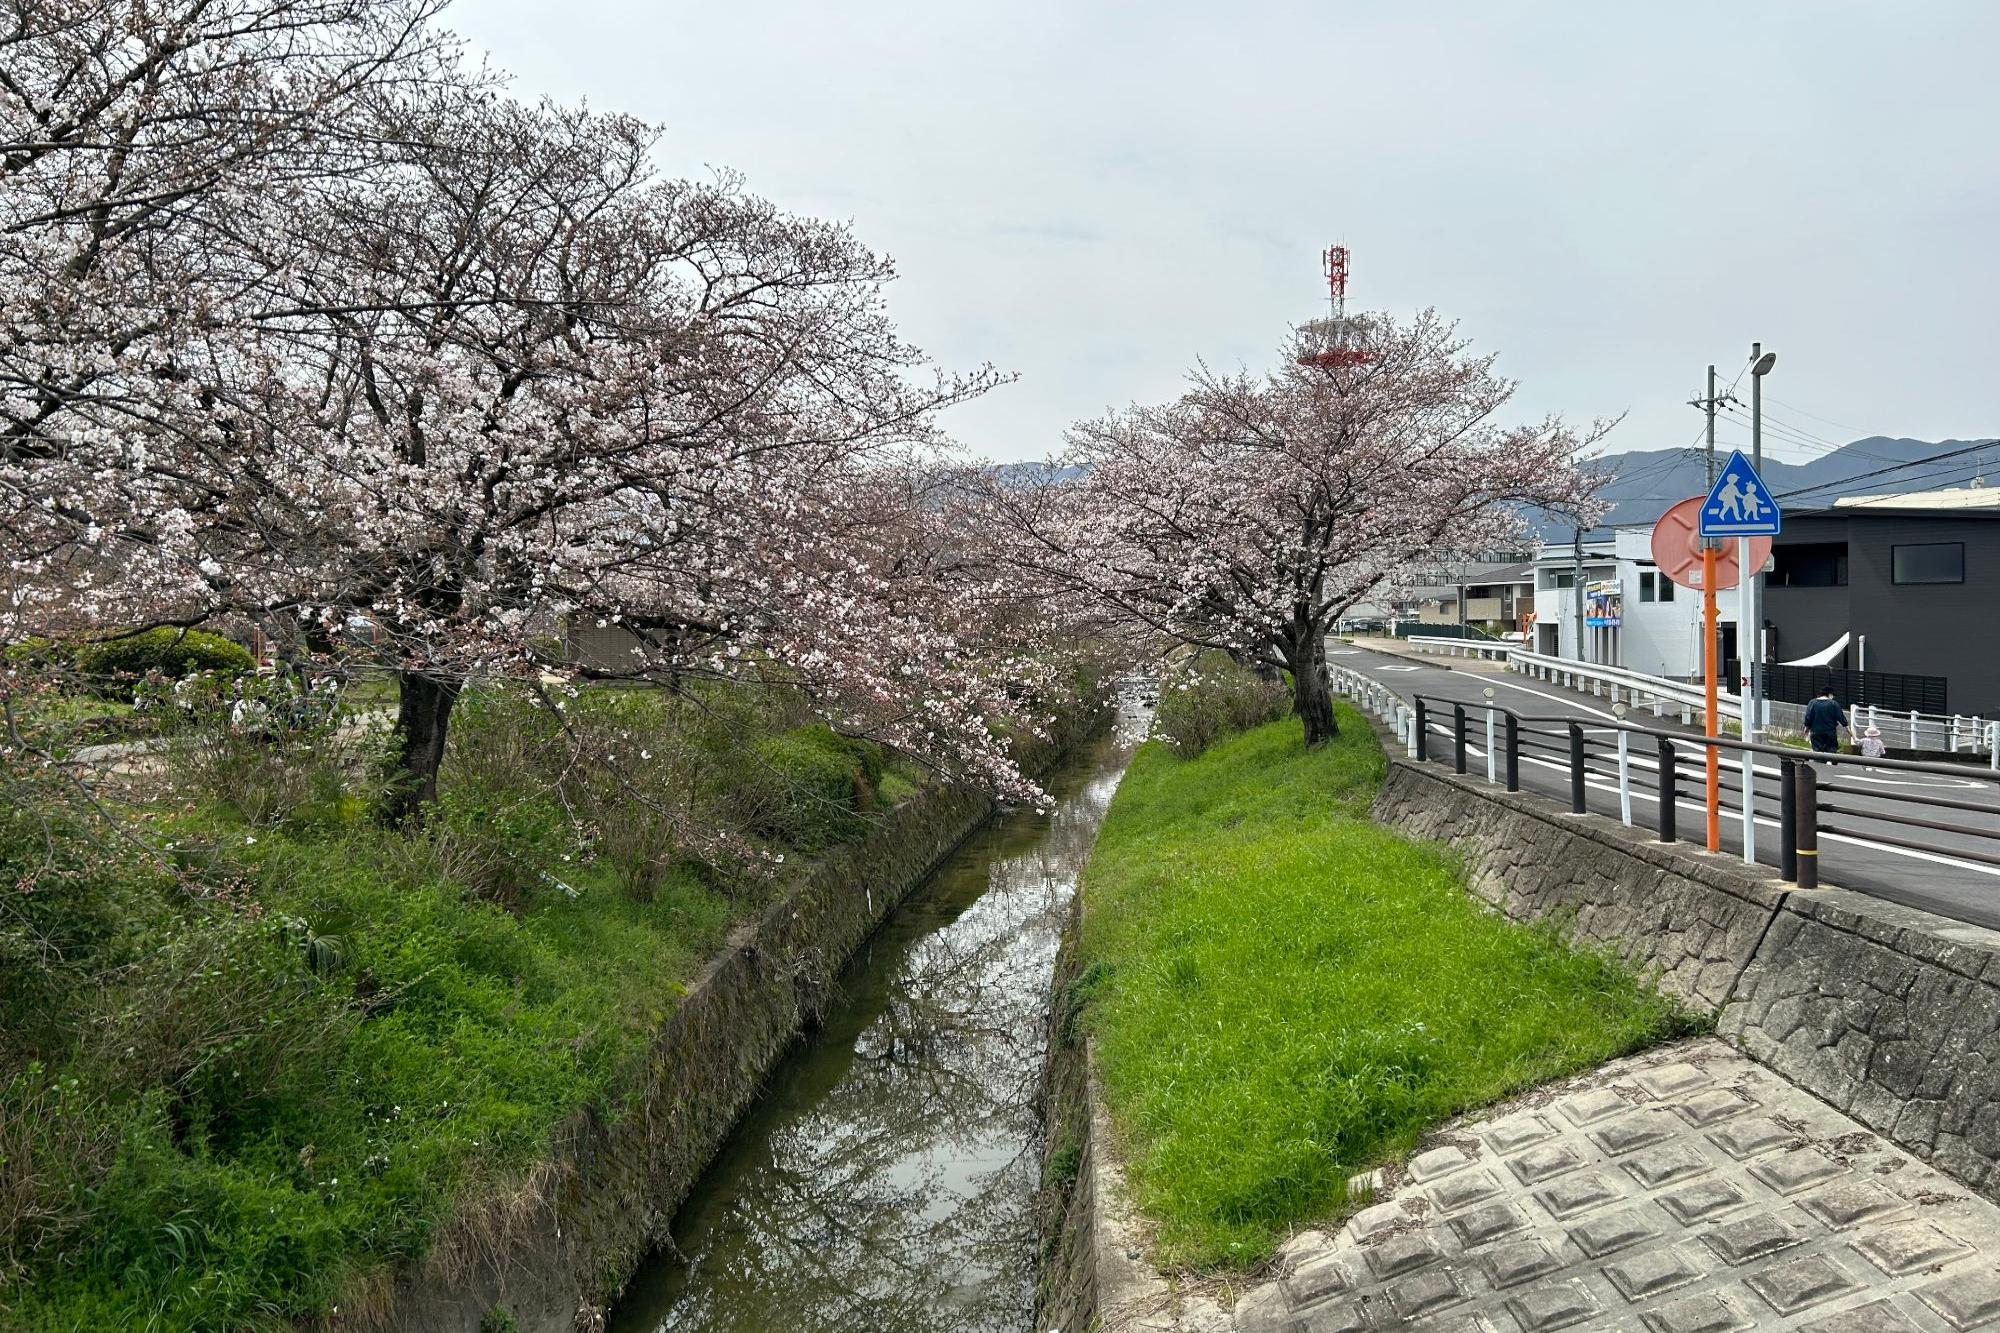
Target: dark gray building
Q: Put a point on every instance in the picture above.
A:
(1915, 585)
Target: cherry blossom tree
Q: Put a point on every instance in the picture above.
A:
(1249, 513)
(461, 374)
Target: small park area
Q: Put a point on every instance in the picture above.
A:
(1283, 994)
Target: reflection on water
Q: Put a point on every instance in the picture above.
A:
(886, 1180)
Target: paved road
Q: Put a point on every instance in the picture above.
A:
(1933, 879)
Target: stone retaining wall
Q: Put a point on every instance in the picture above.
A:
(1889, 1013)
(549, 1255)
(1689, 925)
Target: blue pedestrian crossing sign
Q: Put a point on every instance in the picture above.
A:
(1740, 504)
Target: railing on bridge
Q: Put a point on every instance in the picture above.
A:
(1667, 767)
(1931, 733)
(1488, 649)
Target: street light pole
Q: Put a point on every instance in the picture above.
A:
(1753, 580)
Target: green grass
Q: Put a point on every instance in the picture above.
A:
(1285, 993)
(220, 1108)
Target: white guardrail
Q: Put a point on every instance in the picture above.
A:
(1928, 732)
(1377, 698)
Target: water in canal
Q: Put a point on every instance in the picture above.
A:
(886, 1180)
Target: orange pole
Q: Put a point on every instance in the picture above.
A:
(1713, 722)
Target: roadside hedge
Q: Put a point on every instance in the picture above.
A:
(173, 653)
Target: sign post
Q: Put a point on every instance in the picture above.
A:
(1711, 713)
(1707, 567)
(1739, 505)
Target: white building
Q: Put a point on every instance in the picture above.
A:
(1634, 616)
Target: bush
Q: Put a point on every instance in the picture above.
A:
(1213, 697)
(809, 787)
(269, 750)
(171, 652)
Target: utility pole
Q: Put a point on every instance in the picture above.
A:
(1576, 581)
(1712, 722)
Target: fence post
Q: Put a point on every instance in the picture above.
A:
(1955, 719)
(1491, 760)
(1993, 745)
(1458, 738)
(1749, 806)
(1788, 821)
(1913, 728)
(1513, 753)
(1669, 789)
(1419, 748)
(1807, 818)
(1576, 806)
(1625, 777)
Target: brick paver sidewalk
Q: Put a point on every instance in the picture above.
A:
(1689, 1190)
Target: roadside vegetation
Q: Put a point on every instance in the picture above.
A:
(257, 1044)
(1284, 994)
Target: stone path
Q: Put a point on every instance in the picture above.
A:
(1688, 1190)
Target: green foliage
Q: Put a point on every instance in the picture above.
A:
(811, 787)
(1212, 697)
(240, 1073)
(1290, 993)
(171, 652)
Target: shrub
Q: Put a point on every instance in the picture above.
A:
(270, 751)
(809, 787)
(171, 652)
(1213, 697)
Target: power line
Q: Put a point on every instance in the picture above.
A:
(1793, 407)
(1895, 467)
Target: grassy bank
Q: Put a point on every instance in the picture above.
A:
(1283, 993)
(256, 1047)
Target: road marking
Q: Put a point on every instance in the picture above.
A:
(1397, 668)
(1558, 699)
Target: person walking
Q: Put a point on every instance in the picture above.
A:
(1872, 746)
(1824, 719)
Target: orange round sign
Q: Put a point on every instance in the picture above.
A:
(1677, 548)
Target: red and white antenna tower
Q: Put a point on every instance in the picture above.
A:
(1337, 353)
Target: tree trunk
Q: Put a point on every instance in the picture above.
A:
(1312, 698)
(423, 710)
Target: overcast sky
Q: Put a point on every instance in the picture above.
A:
(1609, 195)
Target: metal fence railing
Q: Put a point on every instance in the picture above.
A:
(1925, 733)
(1841, 796)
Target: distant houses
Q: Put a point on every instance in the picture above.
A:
(1893, 599)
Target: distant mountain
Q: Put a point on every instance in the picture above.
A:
(1644, 484)
(1033, 474)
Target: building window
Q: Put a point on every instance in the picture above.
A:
(1931, 562)
(1646, 585)
(1565, 580)
(1809, 565)
(1666, 589)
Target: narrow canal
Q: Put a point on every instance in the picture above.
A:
(886, 1181)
